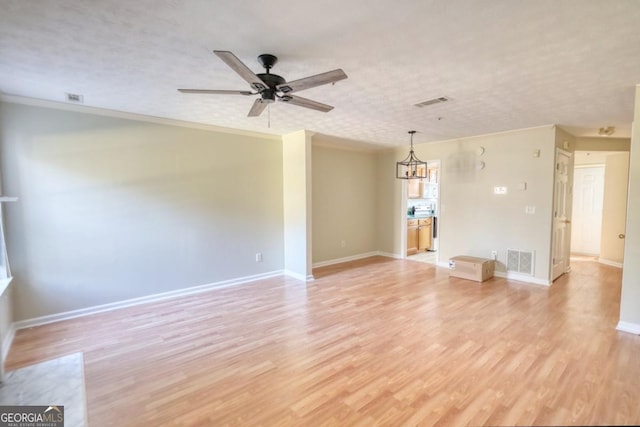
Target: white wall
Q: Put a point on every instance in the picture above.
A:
(296, 173)
(344, 202)
(473, 220)
(113, 209)
(630, 300)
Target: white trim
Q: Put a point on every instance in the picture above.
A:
(357, 257)
(632, 328)
(443, 264)
(522, 278)
(7, 341)
(302, 277)
(4, 284)
(389, 255)
(79, 108)
(51, 318)
(345, 259)
(8, 199)
(610, 263)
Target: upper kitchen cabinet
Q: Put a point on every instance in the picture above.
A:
(414, 186)
(432, 174)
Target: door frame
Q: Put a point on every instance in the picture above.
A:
(402, 224)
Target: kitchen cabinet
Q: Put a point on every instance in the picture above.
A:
(419, 235)
(432, 174)
(424, 234)
(412, 236)
(414, 186)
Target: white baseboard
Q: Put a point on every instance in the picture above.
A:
(632, 328)
(345, 259)
(43, 320)
(389, 255)
(522, 278)
(7, 341)
(444, 264)
(610, 263)
(307, 278)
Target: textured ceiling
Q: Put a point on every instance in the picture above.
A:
(504, 64)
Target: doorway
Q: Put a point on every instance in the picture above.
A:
(600, 237)
(421, 204)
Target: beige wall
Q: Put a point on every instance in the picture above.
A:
(630, 300)
(601, 144)
(389, 204)
(616, 178)
(344, 203)
(113, 209)
(473, 220)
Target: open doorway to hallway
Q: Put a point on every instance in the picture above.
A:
(600, 205)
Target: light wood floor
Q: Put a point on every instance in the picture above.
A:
(372, 342)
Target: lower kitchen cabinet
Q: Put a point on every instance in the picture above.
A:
(412, 236)
(419, 235)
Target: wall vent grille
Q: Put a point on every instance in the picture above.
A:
(432, 101)
(519, 261)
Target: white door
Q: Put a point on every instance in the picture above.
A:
(614, 214)
(561, 214)
(586, 214)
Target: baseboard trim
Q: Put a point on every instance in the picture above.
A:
(632, 328)
(522, 278)
(610, 263)
(302, 277)
(7, 341)
(345, 259)
(389, 255)
(51, 318)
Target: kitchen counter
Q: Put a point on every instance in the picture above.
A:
(418, 216)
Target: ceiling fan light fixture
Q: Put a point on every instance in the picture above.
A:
(608, 131)
(272, 87)
(411, 167)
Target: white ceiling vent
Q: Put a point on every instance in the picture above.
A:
(74, 97)
(432, 101)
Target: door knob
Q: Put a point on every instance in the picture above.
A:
(620, 236)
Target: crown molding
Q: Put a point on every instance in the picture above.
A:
(56, 105)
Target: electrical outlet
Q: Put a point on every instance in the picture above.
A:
(259, 257)
(494, 255)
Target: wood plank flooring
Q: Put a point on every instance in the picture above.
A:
(371, 342)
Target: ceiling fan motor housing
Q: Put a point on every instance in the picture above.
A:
(271, 80)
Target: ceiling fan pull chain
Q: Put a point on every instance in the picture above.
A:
(269, 116)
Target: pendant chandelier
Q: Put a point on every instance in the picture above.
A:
(411, 167)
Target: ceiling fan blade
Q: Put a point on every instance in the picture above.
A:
(238, 66)
(312, 81)
(217, 92)
(257, 108)
(307, 103)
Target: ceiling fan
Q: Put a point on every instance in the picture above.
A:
(272, 87)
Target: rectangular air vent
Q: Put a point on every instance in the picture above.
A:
(74, 97)
(432, 101)
(520, 261)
